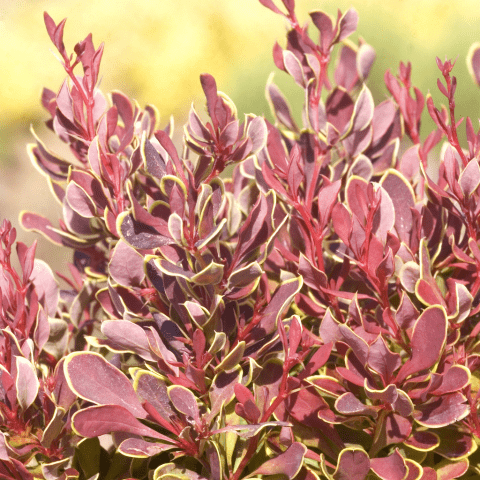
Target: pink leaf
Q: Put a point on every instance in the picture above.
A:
(101, 419)
(348, 24)
(287, 463)
(91, 377)
(390, 468)
(353, 464)
(184, 401)
(26, 383)
(428, 340)
(473, 62)
(441, 411)
(126, 265)
(139, 448)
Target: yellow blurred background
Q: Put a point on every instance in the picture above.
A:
(156, 49)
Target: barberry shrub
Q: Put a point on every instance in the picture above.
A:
(314, 316)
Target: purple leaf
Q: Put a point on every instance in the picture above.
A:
(463, 303)
(249, 431)
(329, 328)
(358, 345)
(324, 23)
(229, 134)
(390, 468)
(280, 108)
(363, 110)
(140, 235)
(152, 388)
(342, 222)
(428, 340)
(329, 385)
(37, 223)
(387, 395)
(348, 24)
(473, 62)
(26, 256)
(209, 87)
(414, 470)
(423, 440)
(257, 226)
(395, 429)
(454, 379)
(269, 4)
(154, 163)
(64, 397)
(214, 460)
(406, 314)
(91, 377)
(353, 464)
(382, 360)
(294, 67)
(362, 167)
(441, 411)
(257, 132)
(339, 107)
(455, 443)
(349, 404)
(101, 419)
(244, 276)
(232, 359)
(197, 127)
(279, 302)
(222, 390)
(46, 286)
(3, 448)
(126, 265)
(365, 58)
(327, 198)
(469, 179)
(79, 200)
(403, 198)
(126, 335)
(357, 141)
(212, 274)
(184, 401)
(287, 463)
(26, 383)
(139, 448)
(42, 329)
(452, 469)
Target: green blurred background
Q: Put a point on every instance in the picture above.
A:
(156, 50)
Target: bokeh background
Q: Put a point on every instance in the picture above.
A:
(156, 50)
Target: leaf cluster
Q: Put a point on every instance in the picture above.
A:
(314, 316)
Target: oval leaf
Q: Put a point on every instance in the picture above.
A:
(92, 378)
(287, 463)
(27, 383)
(101, 419)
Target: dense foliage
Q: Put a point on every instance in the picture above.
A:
(313, 316)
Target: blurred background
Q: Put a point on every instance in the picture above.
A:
(156, 49)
